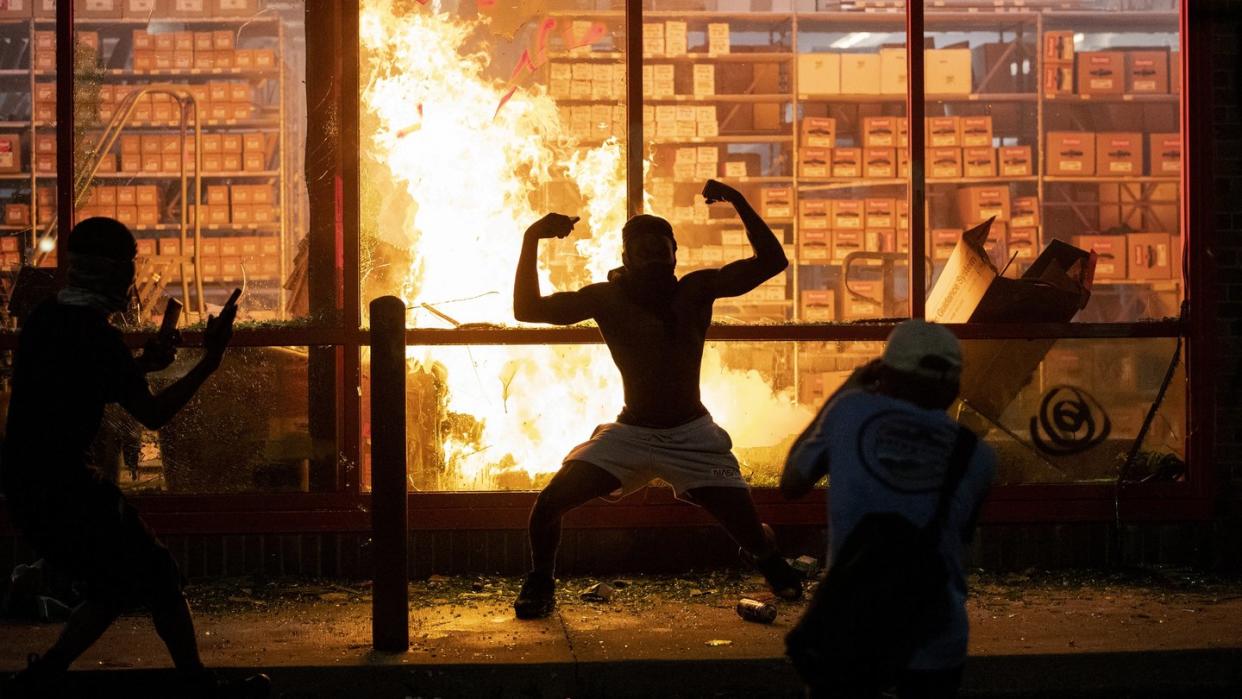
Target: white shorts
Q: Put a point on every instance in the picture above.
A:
(694, 455)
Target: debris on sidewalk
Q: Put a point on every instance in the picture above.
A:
(807, 565)
(756, 611)
(599, 592)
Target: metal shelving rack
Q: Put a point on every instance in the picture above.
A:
(265, 26)
(1022, 23)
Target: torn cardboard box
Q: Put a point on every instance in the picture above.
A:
(971, 290)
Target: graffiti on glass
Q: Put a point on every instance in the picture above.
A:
(1070, 421)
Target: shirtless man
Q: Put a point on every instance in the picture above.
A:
(654, 325)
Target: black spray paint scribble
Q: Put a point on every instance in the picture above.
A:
(1070, 421)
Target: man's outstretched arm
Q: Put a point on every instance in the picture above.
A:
(742, 276)
(156, 410)
(529, 306)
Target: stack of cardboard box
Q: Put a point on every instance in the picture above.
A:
(882, 72)
(196, 51)
(1112, 154)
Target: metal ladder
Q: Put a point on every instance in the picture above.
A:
(155, 268)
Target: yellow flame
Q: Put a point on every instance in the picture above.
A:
(477, 178)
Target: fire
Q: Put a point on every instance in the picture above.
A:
(475, 175)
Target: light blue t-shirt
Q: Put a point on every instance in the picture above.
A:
(889, 455)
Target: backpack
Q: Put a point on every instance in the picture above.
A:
(885, 591)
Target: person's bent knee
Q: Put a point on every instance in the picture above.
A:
(164, 584)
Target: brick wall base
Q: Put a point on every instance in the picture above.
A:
(1211, 546)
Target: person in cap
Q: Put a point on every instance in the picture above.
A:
(71, 363)
(655, 325)
(885, 440)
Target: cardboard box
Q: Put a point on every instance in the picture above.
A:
(1150, 256)
(1058, 79)
(879, 213)
(1059, 47)
(979, 162)
(976, 204)
(815, 162)
(947, 71)
(1165, 152)
(819, 305)
(1023, 243)
(819, 73)
(99, 9)
(675, 41)
(847, 162)
(976, 131)
(190, 8)
(16, 9)
(144, 9)
(944, 163)
(1024, 212)
(10, 152)
(1101, 73)
(879, 132)
(148, 216)
(653, 38)
(776, 202)
(848, 214)
(880, 163)
(892, 71)
(815, 246)
(1110, 252)
(944, 132)
(1071, 153)
(1014, 161)
(864, 299)
(16, 215)
(814, 214)
(860, 74)
(146, 196)
(1147, 72)
(1119, 154)
(819, 132)
(717, 38)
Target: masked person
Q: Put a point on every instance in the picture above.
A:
(70, 363)
(654, 325)
(890, 448)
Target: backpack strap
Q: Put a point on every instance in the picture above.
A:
(959, 460)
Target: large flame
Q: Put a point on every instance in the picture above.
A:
(477, 176)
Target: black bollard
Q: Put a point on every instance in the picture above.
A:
(390, 606)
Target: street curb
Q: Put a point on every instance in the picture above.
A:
(1191, 673)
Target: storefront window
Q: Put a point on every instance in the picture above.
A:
(161, 88)
(1064, 125)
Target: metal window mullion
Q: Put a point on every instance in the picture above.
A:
(64, 131)
(916, 195)
(634, 141)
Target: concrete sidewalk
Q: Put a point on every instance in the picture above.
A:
(1053, 635)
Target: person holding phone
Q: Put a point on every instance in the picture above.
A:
(655, 326)
(70, 363)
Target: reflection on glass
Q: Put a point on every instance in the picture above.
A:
(1070, 410)
(244, 431)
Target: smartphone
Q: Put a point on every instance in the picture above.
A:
(233, 297)
(172, 315)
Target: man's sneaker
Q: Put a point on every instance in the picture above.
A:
(537, 598)
(784, 579)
